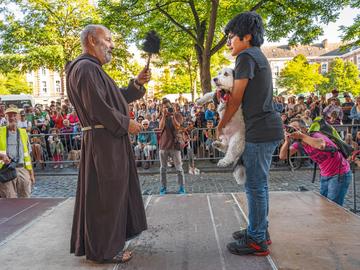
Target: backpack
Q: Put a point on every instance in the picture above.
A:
(320, 125)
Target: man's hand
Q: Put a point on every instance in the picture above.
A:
(5, 158)
(297, 135)
(134, 127)
(144, 76)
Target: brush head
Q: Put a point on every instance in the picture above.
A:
(152, 42)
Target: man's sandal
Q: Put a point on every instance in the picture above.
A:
(121, 257)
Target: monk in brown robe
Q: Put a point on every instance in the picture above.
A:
(109, 208)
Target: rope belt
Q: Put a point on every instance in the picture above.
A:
(90, 128)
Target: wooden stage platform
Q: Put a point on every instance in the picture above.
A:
(189, 232)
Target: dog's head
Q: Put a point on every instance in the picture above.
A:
(224, 80)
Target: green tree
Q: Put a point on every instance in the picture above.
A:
(14, 83)
(199, 24)
(342, 75)
(298, 76)
(351, 34)
(46, 35)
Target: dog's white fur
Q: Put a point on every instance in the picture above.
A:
(232, 139)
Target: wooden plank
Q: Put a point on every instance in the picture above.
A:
(310, 232)
(16, 213)
(190, 232)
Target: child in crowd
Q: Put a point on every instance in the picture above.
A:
(56, 148)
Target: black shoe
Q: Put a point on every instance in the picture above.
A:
(247, 246)
(241, 234)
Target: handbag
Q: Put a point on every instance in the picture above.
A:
(8, 172)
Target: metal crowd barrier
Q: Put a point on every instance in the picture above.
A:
(64, 149)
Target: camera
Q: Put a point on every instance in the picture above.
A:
(170, 110)
(290, 129)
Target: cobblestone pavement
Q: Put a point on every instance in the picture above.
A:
(65, 186)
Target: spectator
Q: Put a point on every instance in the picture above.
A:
(73, 118)
(154, 123)
(335, 173)
(146, 144)
(170, 146)
(66, 137)
(209, 135)
(349, 140)
(300, 107)
(307, 117)
(56, 148)
(15, 146)
(23, 123)
(333, 107)
(37, 145)
(346, 107)
(291, 104)
(210, 112)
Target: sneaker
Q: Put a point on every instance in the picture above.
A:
(181, 190)
(61, 166)
(162, 190)
(196, 171)
(191, 170)
(247, 246)
(242, 233)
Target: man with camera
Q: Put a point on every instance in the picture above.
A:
(170, 145)
(335, 173)
(15, 153)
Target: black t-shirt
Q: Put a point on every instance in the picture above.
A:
(262, 122)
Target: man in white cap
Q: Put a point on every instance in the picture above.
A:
(14, 145)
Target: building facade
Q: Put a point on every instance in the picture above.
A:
(322, 53)
(46, 85)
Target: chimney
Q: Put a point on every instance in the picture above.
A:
(325, 43)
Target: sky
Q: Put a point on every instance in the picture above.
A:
(331, 31)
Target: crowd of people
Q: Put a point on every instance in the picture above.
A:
(55, 131)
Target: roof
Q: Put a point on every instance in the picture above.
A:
(320, 49)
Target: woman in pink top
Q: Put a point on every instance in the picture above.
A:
(335, 173)
(73, 118)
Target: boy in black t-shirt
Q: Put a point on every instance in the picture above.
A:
(254, 90)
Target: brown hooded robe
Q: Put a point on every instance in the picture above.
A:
(109, 207)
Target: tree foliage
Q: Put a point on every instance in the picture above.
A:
(344, 76)
(298, 76)
(13, 83)
(198, 25)
(351, 34)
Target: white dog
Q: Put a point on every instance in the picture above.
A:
(232, 139)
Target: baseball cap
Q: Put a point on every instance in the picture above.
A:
(12, 109)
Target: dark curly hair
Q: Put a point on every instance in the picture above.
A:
(247, 23)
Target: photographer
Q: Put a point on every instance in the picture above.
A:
(170, 145)
(335, 173)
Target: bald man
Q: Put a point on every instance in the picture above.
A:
(109, 208)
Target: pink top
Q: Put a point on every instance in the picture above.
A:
(329, 166)
(73, 119)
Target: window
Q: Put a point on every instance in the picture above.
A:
(57, 87)
(358, 62)
(44, 88)
(277, 71)
(31, 85)
(43, 71)
(324, 68)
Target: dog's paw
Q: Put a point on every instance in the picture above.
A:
(240, 174)
(223, 163)
(217, 144)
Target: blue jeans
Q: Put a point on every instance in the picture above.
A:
(335, 187)
(257, 160)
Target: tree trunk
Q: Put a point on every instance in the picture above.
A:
(205, 75)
